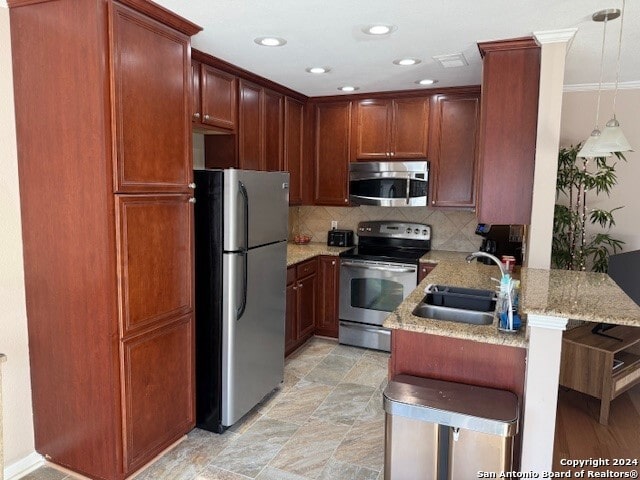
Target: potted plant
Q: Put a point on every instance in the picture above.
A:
(574, 248)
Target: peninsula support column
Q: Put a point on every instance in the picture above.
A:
(541, 391)
(553, 49)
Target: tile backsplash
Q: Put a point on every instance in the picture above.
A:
(451, 230)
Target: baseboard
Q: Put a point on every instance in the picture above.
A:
(20, 468)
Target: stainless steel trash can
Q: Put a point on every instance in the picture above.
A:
(437, 430)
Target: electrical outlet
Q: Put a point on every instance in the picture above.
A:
(334, 224)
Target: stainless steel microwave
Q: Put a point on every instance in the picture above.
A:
(389, 184)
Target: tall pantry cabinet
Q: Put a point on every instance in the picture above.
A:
(102, 94)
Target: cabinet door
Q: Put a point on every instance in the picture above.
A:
(454, 134)
(372, 140)
(272, 127)
(155, 255)
(152, 104)
(328, 295)
(409, 128)
(290, 327)
(219, 92)
(424, 270)
(509, 112)
(306, 306)
(196, 113)
(333, 136)
(250, 139)
(158, 383)
(293, 145)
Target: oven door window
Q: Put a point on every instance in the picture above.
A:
(376, 294)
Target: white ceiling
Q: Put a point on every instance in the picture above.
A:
(328, 33)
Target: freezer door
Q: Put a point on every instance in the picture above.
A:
(253, 342)
(259, 200)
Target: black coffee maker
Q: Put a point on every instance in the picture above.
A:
(501, 240)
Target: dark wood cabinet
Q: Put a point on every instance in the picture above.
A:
(424, 270)
(302, 286)
(328, 296)
(196, 106)
(453, 149)
(294, 147)
(152, 138)
(107, 228)
(390, 129)
(273, 131)
(219, 98)
(508, 126)
(260, 139)
(250, 133)
(332, 139)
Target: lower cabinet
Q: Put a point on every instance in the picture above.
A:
(424, 270)
(328, 296)
(312, 300)
(301, 304)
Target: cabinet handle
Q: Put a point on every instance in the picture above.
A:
(333, 263)
(295, 288)
(207, 117)
(192, 200)
(196, 115)
(346, 200)
(192, 186)
(393, 153)
(433, 202)
(300, 286)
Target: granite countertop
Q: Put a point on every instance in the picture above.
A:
(592, 297)
(300, 253)
(454, 271)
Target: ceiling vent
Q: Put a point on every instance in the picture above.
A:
(451, 61)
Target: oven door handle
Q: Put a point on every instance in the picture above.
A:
(382, 269)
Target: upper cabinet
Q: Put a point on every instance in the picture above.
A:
(293, 147)
(453, 149)
(510, 81)
(332, 147)
(260, 131)
(214, 97)
(152, 138)
(391, 129)
(218, 94)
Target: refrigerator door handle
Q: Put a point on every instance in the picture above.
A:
(245, 264)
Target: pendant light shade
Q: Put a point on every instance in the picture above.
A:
(591, 148)
(613, 139)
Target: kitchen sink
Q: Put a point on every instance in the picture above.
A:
(453, 314)
(457, 304)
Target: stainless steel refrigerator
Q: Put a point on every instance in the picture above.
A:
(241, 224)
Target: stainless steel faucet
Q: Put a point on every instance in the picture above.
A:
(488, 255)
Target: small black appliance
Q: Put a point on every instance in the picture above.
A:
(501, 240)
(340, 238)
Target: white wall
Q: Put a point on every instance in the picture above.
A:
(578, 118)
(16, 385)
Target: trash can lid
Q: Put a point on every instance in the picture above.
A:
(469, 407)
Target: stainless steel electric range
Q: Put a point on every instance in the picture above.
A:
(376, 276)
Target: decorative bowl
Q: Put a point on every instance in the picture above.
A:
(301, 239)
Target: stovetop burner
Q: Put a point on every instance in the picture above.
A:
(391, 242)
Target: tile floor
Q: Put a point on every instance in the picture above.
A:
(325, 422)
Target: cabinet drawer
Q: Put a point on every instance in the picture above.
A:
(291, 275)
(306, 268)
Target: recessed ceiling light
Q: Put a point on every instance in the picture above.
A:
(379, 29)
(270, 41)
(426, 81)
(318, 70)
(407, 61)
(348, 88)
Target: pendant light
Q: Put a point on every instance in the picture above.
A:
(612, 138)
(590, 148)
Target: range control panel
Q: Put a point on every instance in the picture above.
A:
(385, 229)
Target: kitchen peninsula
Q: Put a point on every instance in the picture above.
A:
(526, 363)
